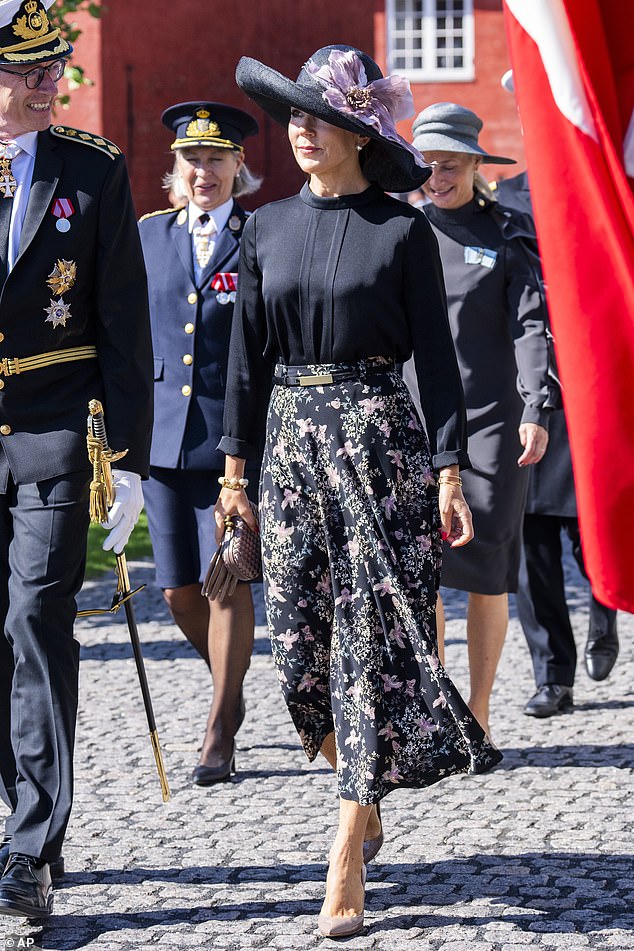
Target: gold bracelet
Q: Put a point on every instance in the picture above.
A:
(450, 480)
(235, 484)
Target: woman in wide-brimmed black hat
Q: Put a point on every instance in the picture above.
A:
(331, 284)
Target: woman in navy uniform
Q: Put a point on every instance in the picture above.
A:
(191, 256)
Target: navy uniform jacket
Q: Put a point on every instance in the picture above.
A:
(190, 333)
(43, 412)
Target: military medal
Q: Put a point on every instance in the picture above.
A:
(8, 183)
(483, 256)
(225, 283)
(62, 277)
(62, 209)
(58, 313)
(234, 223)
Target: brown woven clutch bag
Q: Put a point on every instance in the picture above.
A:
(237, 558)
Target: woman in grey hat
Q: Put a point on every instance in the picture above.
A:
(328, 301)
(498, 326)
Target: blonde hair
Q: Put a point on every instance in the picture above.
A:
(482, 187)
(245, 183)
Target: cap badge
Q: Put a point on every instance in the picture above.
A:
(62, 277)
(33, 24)
(202, 127)
(58, 313)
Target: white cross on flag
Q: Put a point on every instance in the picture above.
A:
(573, 71)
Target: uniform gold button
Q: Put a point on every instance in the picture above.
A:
(188, 359)
(1, 384)
(192, 298)
(189, 328)
(5, 430)
(1, 337)
(186, 390)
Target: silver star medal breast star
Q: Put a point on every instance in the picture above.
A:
(58, 313)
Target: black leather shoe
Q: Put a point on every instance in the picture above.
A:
(208, 775)
(602, 649)
(549, 700)
(26, 891)
(57, 867)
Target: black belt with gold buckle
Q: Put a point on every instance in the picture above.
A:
(338, 373)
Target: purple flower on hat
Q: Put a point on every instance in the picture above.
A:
(379, 104)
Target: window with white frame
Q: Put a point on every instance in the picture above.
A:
(430, 39)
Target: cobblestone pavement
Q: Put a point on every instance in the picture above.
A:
(537, 854)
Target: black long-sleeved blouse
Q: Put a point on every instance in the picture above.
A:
(332, 280)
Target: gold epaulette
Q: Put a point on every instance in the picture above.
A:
(163, 211)
(87, 138)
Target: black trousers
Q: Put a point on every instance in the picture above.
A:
(43, 530)
(541, 599)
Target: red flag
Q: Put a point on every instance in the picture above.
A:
(573, 71)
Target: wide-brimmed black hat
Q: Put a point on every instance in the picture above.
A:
(448, 127)
(27, 34)
(208, 123)
(345, 87)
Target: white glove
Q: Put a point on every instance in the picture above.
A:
(127, 507)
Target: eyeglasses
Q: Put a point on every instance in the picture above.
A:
(34, 77)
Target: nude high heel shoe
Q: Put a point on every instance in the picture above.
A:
(372, 846)
(341, 927)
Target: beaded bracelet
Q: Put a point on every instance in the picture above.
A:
(235, 484)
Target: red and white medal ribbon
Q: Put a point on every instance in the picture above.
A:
(62, 210)
(226, 283)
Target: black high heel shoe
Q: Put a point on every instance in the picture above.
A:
(208, 775)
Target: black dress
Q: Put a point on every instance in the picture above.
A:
(348, 502)
(498, 327)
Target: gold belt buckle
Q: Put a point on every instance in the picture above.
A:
(319, 380)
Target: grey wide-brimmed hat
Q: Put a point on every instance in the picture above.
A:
(345, 87)
(448, 127)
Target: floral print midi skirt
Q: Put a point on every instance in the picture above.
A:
(351, 559)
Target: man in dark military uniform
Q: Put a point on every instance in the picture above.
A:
(73, 326)
(191, 256)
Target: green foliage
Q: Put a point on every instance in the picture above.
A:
(98, 560)
(60, 15)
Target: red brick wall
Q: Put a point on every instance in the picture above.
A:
(501, 133)
(175, 52)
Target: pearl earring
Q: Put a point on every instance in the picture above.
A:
(359, 147)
